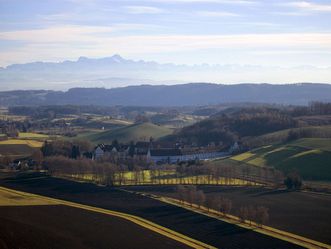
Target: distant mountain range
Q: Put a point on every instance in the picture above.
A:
(116, 71)
(197, 94)
(107, 72)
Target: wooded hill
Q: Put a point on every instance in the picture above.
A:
(193, 94)
(251, 125)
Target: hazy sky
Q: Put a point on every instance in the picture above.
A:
(269, 33)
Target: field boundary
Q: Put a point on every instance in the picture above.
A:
(132, 218)
(270, 231)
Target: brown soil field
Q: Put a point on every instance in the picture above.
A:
(58, 226)
(304, 213)
(197, 226)
(16, 150)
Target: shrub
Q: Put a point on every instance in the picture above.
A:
(293, 181)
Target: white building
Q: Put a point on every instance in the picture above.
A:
(177, 155)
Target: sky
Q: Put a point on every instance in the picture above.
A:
(284, 33)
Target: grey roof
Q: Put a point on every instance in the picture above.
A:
(166, 152)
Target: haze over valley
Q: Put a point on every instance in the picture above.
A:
(116, 71)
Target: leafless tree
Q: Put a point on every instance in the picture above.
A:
(262, 215)
(181, 193)
(200, 198)
(227, 206)
(210, 202)
(224, 205)
(251, 214)
(243, 214)
(191, 194)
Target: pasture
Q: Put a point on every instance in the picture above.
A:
(311, 157)
(28, 142)
(281, 136)
(314, 143)
(31, 135)
(135, 132)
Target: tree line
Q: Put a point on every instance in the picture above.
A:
(226, 128)
(191, 196)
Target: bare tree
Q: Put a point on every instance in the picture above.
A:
(251, 214)
(181, 193)
(6, 160)
(191, 195)
(243, 214)
(200, 198)
(210, 203)
(227, 206)
(224, 205)
(262, 215)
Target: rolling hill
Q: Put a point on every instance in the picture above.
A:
(229, 128)
(135, 132)
(311, 157)
(283, 135)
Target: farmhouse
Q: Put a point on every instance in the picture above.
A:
(104, 150)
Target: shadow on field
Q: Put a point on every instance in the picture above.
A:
(194, 225)
(58, 227)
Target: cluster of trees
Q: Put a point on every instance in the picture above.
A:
(308, 132)
(228, 171)
(98, 172)
(314, 108)
(319, 108)
(7, 124)
(27, 124)
(258, 214)
(101, 171)
(261, 123)
(234, 124)
(293, 181)
(191, 195)
(74, 149)
(10, 129)
(230, 127)
(5, 160)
